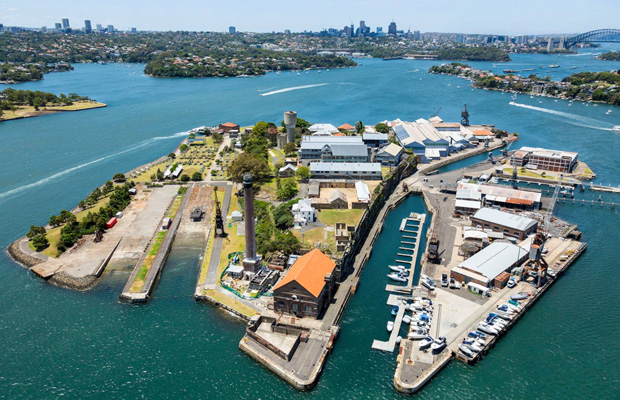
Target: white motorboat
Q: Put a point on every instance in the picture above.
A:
(507, 308)
(397, 277)
(390, 326)
(472, 345)
(398, 268)
(439, 344)
(486, 328)
(427, 341)
(418, 334)
(616, 128)
(465, 350)
(406, 319)
(428, 283)
(504, 315)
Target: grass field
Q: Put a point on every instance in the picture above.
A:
(530, 174)
(269, 189)
(138, 282)
(349, 217)
(230, 302)
(311, 236)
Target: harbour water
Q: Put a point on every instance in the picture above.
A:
(58, 342)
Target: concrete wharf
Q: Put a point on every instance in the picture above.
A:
(160, 259)
(601, 188)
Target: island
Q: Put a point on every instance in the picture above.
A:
(610, 56)
(602, 87)
(485, 53)
(16, 104)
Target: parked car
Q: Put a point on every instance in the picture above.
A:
(511, 283)
(444, 280)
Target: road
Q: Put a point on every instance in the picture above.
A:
(218, 243)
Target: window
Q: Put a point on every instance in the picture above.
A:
(281, 305)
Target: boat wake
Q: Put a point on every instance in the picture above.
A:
(292, 88)
(60, 174)
(572, 119)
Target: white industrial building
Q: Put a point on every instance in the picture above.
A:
(483, 267)
(323, 129)
(333, 149)
(509, 224)
(336, 170)
(470, 197)
(363, 193)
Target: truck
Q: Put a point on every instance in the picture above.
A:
(166, 223)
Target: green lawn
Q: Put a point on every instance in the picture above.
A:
(269, 188)
(231, 302)
(349, 217)
(531, 174)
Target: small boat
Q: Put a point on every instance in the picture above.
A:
(472, 345)
(394, 310)
(516, 304)
(519, 296)
(390, 326)
(507, 308)
(406, 319)
(428, 284)
(418, 334)
(554, 66)
(397, 277)
(551, 273)
(528, 69)
(319, 71)
(511, 71)
(427, 341)
(399, 269)
(465, 350)
(439, 344)
(608, 112)
(486, 328)
(616, 128)
(504, 315)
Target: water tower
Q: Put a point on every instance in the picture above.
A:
(290, 120)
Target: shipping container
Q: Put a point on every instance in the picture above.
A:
(111, 222)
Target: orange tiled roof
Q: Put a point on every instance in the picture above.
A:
(338, 134)
(229, 124)
(482, 132)
(346, 127)
(309, 271)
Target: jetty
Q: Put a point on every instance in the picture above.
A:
(141, 282)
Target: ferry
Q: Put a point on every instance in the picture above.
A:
(510, 71)
(616, 128)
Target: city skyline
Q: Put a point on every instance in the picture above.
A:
(475, 17)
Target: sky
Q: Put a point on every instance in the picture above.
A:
(464, 16)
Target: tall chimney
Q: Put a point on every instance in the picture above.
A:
(290, 120)
(250, 260)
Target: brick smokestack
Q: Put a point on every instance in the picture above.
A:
(248, 200)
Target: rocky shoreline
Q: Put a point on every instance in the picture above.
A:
(20, 257)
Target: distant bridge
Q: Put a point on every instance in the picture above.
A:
(599, 35)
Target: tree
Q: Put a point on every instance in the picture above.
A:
(289, 148)
(252, 163)
(183, 148)
(288, 189)
(40, 242)
(196, 176)
(261, 127)
(382, 128)
(283, 216)
(159, 175)
(119, 177)
(303, 173)
(217, 138)
(359, 127)
(35, 231)
(184, 178)
(302, 124)
(171, 155)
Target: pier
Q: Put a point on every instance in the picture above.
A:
(159, 248)
(601, 188)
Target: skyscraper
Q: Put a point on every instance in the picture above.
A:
(392, 28)
(416, 35)
(110, 28)
(232, 30)
(65, 23)
(100, 27)
(87, 26)
(58, 26)
(134, 30)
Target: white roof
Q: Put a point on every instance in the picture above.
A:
(323, 127)
(235, 269)
(288, 166)
(475, 234)
(363, 193)
(375, 136)
(494, 259)
(554, 154)
(432, 153)
(436, 119)
(502, 218)
(344, 167)
(471, 204)
(321, 133)
(392, 149)
(236, 214)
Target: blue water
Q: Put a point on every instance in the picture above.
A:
(58, 342)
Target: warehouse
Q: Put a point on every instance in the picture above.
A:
(544, 159)
(333, 149)
(332, 170)
(483, 267)
(488, 195)
(509, 224)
